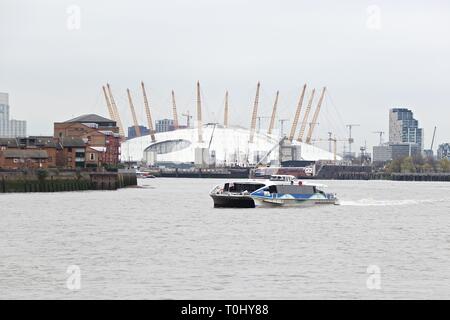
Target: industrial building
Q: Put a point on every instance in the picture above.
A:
(10, 128)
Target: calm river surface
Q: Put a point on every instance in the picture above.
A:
(166, 241)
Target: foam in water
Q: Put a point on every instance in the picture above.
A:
(372, 202)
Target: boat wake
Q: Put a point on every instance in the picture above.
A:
(372, 202)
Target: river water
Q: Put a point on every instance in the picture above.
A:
(166, 241)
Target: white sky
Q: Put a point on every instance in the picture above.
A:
(53, 73)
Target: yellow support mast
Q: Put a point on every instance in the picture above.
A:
(254, 114)
(108, 104)
(305, 118)
(297, 114)
(147, 112)
(225, 112)
(174, 110)
(199, 114)
(116, 111)
(315, 117)
(274, 112)
(133, 113)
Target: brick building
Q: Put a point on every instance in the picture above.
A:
(30, 152)
(100, 136)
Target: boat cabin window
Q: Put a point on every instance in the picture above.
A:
(226, 187)
(273, 189)
(241, 187)
(295, 189)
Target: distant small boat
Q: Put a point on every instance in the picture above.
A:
(295, 193)
(144, 175)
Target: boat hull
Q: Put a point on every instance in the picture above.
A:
(232, 201)
(293, 202)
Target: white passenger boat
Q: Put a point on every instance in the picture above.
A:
(236, 194)
(292, 193)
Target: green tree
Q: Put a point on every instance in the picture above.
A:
(430, 161)
(394, 166)
(407, 165)
(427, 168)
(444, 164)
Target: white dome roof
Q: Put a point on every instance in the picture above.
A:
(229, 144)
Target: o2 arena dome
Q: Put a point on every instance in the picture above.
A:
(224, 145)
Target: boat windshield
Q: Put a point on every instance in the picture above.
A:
(242, 187)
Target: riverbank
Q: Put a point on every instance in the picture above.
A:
(54, 181)
(325, 173)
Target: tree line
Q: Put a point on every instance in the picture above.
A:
(418, 164)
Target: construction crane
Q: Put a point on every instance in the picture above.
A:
(149, 115)
(116, 111)
(254, 114)
(315, 116)
(199, 114)
(380, 133)
(334, 140)
(305, 118)
(432, 141)
(188, 118)
(174, 110)
(137, 129)
(274, 112)
(350, 139)
(297, 114)
(108, 104)
(225, 112)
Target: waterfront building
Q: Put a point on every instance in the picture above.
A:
(100, 137)
(10, 128)
(382, 154)
(394, 151)
(404, 128)
(443, 151)
(29, 152)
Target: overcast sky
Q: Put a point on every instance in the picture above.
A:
(372, 55)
